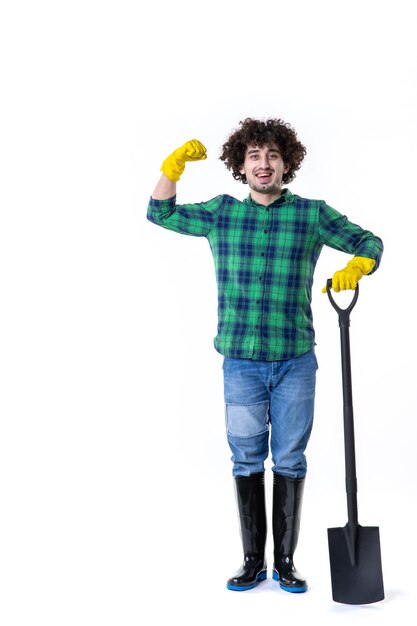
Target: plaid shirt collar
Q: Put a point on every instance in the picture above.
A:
(286, 196)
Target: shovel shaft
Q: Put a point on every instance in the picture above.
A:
(349, 430)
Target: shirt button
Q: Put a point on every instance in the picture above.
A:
(263, 254)
(258, 302)
(265, 231)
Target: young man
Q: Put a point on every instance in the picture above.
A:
(265, 249)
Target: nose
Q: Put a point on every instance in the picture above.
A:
(264, 161)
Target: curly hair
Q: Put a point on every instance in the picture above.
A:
(260, 133)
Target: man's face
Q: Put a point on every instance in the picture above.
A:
(264, 168)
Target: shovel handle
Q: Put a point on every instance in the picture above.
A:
(342, 313)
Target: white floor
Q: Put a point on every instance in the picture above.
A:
(201, 598)
(114, 559)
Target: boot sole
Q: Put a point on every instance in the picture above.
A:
(302, 589)
(260, 577)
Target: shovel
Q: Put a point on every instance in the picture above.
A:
(355, 552)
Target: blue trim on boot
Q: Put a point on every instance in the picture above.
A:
(275, 576)
(260, 577)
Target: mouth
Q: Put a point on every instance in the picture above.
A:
(264, 177)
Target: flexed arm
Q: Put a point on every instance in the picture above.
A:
(173, 167)
(189, 219)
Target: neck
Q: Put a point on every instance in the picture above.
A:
(265, 198)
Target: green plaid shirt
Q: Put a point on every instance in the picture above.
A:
(264, 258)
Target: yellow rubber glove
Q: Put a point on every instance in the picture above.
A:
(174, 165)
(349, 277)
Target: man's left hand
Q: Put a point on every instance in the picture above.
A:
(349, 277)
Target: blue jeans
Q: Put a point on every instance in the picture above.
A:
(264, 397)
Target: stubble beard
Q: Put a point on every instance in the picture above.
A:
(275, 187)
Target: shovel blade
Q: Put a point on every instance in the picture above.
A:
(355, 565)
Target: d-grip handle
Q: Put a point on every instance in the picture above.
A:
(342, 313)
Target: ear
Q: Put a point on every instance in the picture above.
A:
(286, 169)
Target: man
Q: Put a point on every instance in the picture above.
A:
(265, 249)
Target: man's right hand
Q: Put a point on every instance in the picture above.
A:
(174, 165)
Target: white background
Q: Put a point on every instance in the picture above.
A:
(116, 495)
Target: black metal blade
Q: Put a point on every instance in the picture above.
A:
(356, 570)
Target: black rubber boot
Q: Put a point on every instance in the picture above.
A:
(250, 491)
(286, 512)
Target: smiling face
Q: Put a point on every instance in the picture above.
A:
(264, 169)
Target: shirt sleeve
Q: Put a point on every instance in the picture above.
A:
(337, 232)
(187, 219)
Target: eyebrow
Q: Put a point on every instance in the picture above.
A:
(254, 150)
